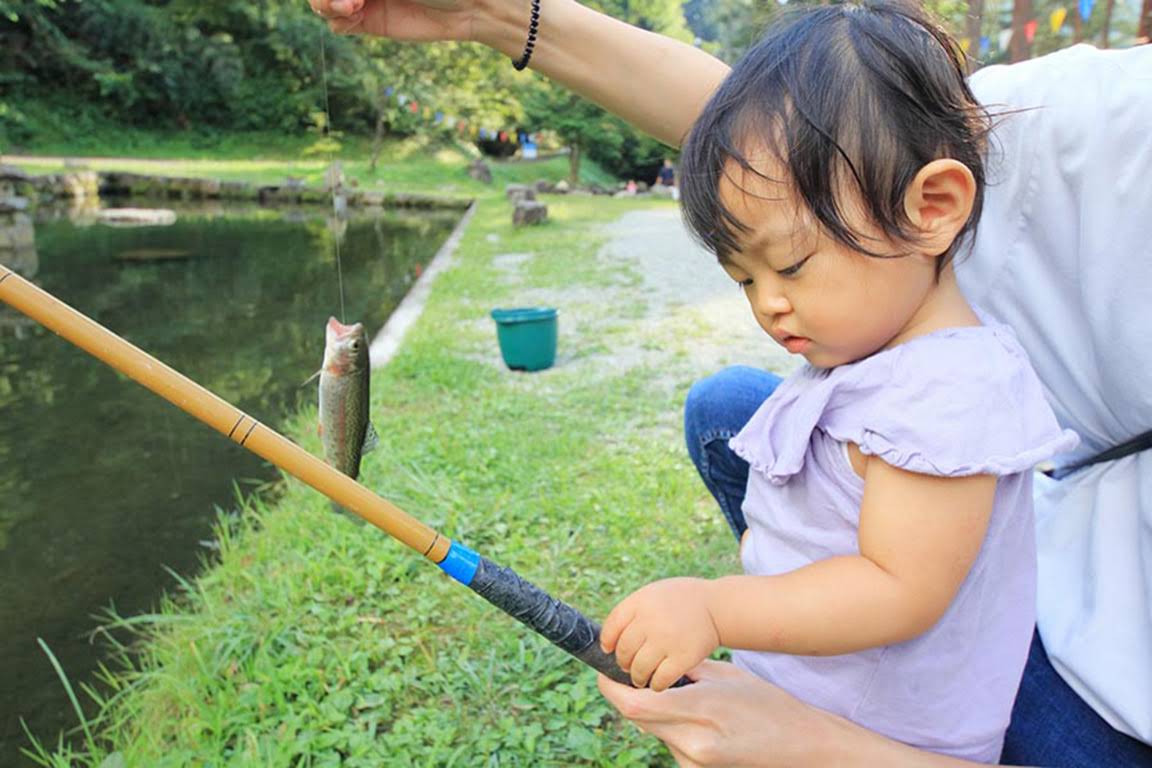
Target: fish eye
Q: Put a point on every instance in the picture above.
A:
(356, 345)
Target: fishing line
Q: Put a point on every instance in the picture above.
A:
(332, 180)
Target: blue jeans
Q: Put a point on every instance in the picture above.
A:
(1051, 726)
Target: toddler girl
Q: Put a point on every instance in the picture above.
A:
(888, 554)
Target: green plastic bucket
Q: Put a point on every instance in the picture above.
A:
(527, 337)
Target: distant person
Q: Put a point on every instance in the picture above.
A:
(666, 177)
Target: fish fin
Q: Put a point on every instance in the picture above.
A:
(312, 378)
(371, 440)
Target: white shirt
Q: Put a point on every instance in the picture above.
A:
(1064, 256)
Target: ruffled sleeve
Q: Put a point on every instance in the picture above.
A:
(958, 402)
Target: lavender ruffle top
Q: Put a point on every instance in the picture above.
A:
(956, 402)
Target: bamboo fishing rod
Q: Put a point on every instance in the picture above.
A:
(557, 621)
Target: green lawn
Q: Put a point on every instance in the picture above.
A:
(408, 165)
(315, 641)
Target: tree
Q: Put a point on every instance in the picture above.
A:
(577, 121)
(1019, 47)
(1107, 23)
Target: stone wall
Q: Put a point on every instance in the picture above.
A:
(17, 235)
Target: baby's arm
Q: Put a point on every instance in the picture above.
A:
(919, 536)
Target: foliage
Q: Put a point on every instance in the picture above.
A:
(415, 164)
(270, 65)
(588, 129)
(729, 27)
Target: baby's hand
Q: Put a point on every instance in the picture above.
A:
(661, 631)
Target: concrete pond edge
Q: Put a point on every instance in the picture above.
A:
(387, 342)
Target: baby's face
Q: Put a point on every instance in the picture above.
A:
(813, 295)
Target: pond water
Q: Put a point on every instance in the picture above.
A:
(103, 485)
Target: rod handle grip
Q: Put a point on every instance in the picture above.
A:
(558, 622)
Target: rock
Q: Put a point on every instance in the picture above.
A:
(373, 199)
(116, 183)
(529, 212)
(237, 190)
(12, 173)
(206, 189)
(480, 171)
(282, 195)
(518, 192)
(77, 185)
(544, 186)
(561, 188)
(13, 204)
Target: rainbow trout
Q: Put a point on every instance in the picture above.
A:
(344, 428)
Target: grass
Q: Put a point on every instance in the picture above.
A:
(315, 641)
(411, 165)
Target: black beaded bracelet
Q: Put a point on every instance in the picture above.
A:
(532, 29)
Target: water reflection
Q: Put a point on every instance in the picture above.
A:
(101, 482)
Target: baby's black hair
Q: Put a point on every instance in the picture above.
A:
(853, 96)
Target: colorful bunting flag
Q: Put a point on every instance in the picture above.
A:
(1056, 20)
(965, 44)
(1086, 8)
(1005, 39)
(985, 44)
(1030, 30)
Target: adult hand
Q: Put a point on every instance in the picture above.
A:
(726, 717)
(412, 20)
(729, 717)
(661, 631)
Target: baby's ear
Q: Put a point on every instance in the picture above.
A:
(938, 203)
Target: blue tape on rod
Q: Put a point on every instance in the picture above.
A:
(460, 563)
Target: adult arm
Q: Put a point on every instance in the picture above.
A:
(732, 718)
(654, 82)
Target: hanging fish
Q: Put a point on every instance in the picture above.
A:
(344, 428)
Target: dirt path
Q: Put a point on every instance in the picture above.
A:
(693, 306)
(672, 312)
